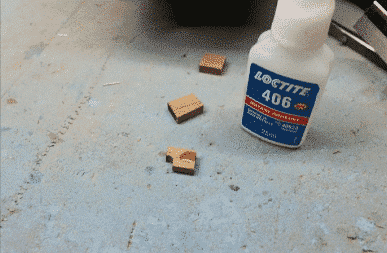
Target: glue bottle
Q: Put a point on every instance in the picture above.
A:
(288, 69)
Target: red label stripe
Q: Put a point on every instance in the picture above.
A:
(276, 114)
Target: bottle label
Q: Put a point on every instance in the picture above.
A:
(277, 107)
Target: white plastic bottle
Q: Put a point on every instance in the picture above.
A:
(288, 70)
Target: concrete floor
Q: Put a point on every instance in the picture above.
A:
(83, 165)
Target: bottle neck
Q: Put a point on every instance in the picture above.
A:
(302, 25)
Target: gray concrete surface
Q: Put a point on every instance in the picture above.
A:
(83, 165)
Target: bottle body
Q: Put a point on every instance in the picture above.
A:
(283, 90)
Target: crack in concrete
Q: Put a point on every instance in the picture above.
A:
(15, 199)
(131, 235)
(11, 211)
(54, 140)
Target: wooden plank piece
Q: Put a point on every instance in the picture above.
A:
(185, 166)
(212, 63)
(185, 108)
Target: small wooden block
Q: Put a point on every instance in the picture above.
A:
(212, 63)
(185, 108)
(185, 166)
(179, 153)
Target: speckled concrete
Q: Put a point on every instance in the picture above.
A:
(83, 165)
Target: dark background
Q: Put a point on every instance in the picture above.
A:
(364, 4)
(228, 13)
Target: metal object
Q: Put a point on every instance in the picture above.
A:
(356, 43)
(372, 27)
